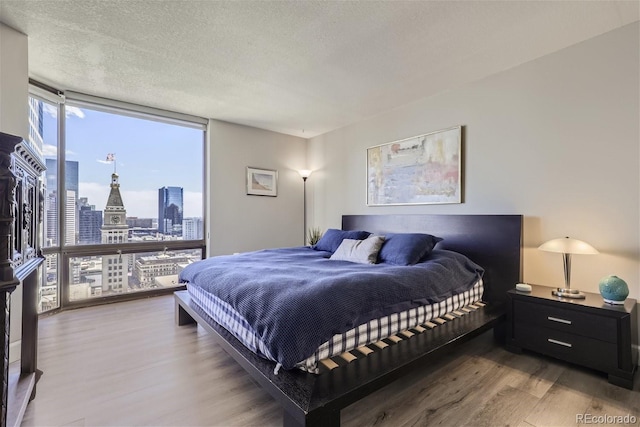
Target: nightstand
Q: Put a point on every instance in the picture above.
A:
(587, 332)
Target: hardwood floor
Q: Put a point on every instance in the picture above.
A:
(128, 364)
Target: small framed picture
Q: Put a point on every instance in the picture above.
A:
(262, 182)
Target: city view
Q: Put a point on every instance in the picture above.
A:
(126, 180)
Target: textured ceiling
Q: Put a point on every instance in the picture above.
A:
(297, 67)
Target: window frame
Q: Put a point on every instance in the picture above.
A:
(66, 251)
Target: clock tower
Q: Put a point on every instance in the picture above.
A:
(115, 231)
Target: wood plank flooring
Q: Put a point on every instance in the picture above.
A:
(127, 364)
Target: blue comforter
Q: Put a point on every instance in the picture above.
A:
(297, 298)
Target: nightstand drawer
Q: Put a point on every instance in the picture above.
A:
(574, 348)
(566, 320)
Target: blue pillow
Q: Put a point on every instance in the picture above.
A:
(406, 248)
(332, 238)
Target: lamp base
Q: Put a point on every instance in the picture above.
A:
(568, 293)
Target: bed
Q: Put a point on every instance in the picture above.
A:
(491, 241)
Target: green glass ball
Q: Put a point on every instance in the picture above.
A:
(613, 289)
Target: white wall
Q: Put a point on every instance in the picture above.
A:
(555, 139)
(14, 119)
(238, 222)
(14, 82)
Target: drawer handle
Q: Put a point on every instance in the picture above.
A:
(555, 319)
(562, 343)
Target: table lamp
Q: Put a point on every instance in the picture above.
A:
(567, 246)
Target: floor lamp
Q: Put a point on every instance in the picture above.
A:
(304, 173)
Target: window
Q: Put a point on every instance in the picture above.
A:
(132, 179)
(123, 182)
(43, 138)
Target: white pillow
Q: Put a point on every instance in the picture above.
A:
(360, 251)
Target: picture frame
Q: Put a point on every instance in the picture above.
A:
(262, 182)
(424, 169)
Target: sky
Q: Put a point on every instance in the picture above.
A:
(149, 155)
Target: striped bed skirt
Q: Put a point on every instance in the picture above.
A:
(330, 363)
(355, 343)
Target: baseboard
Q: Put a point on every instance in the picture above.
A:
(20, 390)
(14, 351)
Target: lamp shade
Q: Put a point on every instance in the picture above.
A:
(567, 245)
(305, 173)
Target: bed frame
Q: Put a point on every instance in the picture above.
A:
(493, 241)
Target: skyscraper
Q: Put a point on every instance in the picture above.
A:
(71, 175)
(170, 210)
(51, 223)
(115, 230)
(70, 218)
(90, 223)
(36, 125)
(71, 206)
(192, 229)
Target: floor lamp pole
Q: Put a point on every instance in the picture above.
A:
(304, 209)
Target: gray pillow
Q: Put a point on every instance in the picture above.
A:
(360, 251)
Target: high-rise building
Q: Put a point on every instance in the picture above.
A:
(70, 218)
(71, 189)
(71, 175)
(192, 229)
(90, 223)
(51, 222)
(170, 210)
(115, 230)
(136, 222)
(36, 125)
(74, 271)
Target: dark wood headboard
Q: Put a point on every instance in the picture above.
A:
(492, 241)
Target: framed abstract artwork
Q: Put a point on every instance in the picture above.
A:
(262, 182)
(423, 169)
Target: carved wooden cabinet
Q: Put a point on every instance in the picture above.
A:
(21, 212)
